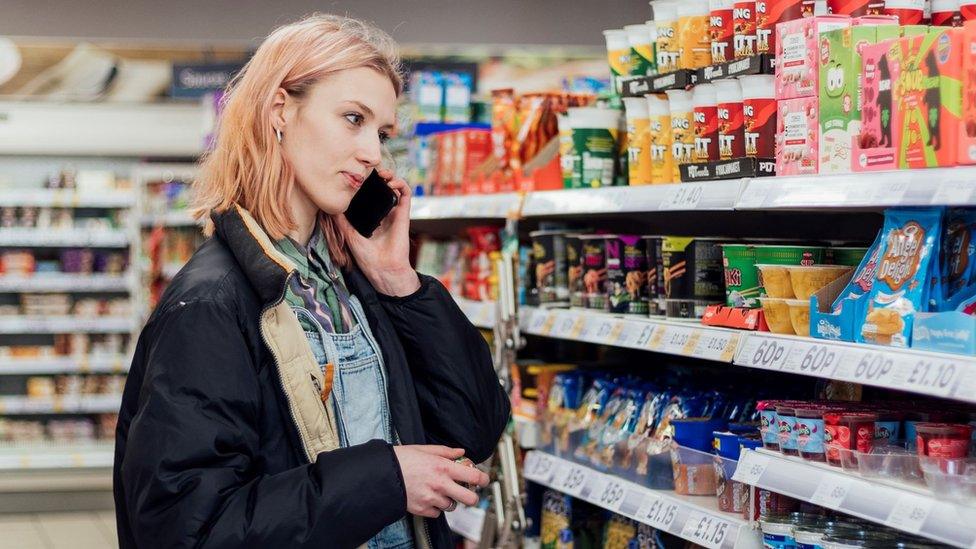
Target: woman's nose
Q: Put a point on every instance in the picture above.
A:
(370, 152)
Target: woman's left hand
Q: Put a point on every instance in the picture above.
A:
(385, 257)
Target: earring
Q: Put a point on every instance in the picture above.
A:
(278, 134)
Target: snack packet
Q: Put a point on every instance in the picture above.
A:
(863, 278)
(910, 239)
(958, 258)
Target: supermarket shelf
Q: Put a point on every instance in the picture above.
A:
(110, 364)
(937, 374)
(56, 456)
(939, 186)
(64, 325)
(89, 404)
(901, 507)
(480, 206)
(718, 195)
(64, 282)
(665, 336)
(695, 518)
(80, 238)
(480, 313)
(169, 219)
(66, 198)
(467, 522)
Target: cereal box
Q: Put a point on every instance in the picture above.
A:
(841, 92)
(967, 134)
(876, 148)
(797, 136)
(929, 92)
(797, 52)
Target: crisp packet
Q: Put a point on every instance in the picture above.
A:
(958, 257)
(863, 278)
(911, 237)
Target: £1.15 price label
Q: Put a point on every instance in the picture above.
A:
(658, 512)
(707, 530)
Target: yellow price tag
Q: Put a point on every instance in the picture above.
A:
(616, 331)
(657, 339)
(692, 342)
(78, 460)
(729, 351)
(24, 461)
(577, 328)
(547, 325)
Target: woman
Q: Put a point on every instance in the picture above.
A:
(275, 400)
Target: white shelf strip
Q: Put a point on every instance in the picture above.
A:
(900, 507)
(169, 219)
(111, 364)
(66, 198)
(64, 325)
(61, 456)
(671, 337)
(715, 195)
(480, 313)
(473, 206)
(87, 404)
(72, 238)
(695, 518)
(65, 282)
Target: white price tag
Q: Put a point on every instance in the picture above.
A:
(910, 512)
(539, 317)
(542, 468)
(712, 345)
(831, 491)
(572, 481)
(683, 196)
(707, 530)
(867, 367)
(750, 468)
(610, 494)
(891, 193)
(678, 339)
(629, 333)
(967, 383)
(754, 196)
(564, 326)
(604, 331)
(658, 512)
(647, 331)
(922, 374)
(953, 192)
(764, 352)
(631, 504)
(812, 359)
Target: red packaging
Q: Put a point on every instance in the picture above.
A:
(720, 27)
(877, 146)
(798, 136)
(731, 137)
(771, 12)
(759, 115)
(943, 440)
(945, 13)
(967, 133)
(967, 9)
(855, 8)
(848, 431)
(744, 28)
(909, 12)
(705, 123)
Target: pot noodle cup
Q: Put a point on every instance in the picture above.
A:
(667, 48)
(641, 40)
(799, 316)
(775, 280)
(806, 280)
(777, 314)
(618, 55)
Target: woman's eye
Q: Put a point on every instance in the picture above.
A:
(384, 137)
(355, 119)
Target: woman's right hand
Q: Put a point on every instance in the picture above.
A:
(432, 478)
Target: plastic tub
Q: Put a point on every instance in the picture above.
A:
(953, 479)
(943, 440)
(775, 281)
(806, 280)
(847, 431)
(777, 532)
(810, 433)
(799, 316)
(890, 462)
(694, 472)
(768, 429)
(777, 313)
(742, 286)
(786, 424)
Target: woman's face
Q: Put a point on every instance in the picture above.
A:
(333, 136)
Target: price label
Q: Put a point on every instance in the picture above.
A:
(712, 345)
(608, 493)
(572, 482)
(754, 195)
(564, 327)
(910, 513)
(538, 319)
(577, 327)
(543, 468)
(546, 328)
(631, 503)
(692, 343)
(765, 353)
(967, 384)
(831, 491)
(657, 339)
(644, 338)
(658, 512)
(893, 192)
(750, 468)
(616, 332)
(604, 331)
(952, 192)
(926, 375)
(706, 530)
(683, 197)
(729, 351)
(872, 367)
(592, 487)
(812, 360)
(678, 338)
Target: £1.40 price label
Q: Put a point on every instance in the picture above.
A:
(683, 197)
(707, 530)
(658, 512)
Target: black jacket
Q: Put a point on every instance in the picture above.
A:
(208, 452)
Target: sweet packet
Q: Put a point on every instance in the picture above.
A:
(863, 278)
(957, 259)
(901, 284)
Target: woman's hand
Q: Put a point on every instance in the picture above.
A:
(385, 257)
(432, 479)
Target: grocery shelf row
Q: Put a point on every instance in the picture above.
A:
(65, 282)
(900, 506)
(84, 404)
(95, 364)
(59, 238)
(694, 518)
(480, 313)
(24, 324)
(936, 374)
(941, 186)
(67, 198)
(56, 456)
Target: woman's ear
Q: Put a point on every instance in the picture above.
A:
(280, 110)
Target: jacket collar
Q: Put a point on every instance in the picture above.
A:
(266, 268)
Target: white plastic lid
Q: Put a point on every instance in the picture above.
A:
(728, 91)
(704, 95)
(692, 8)
(651, 30)
(636, 108)
(616, 39)
(758, 86)
(657, 104)
(721, 5)
(638, 35)
(679, 101)
(562, 122)
(664, 11)
(594, 117)
(942, 6)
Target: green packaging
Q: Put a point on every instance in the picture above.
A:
(788, 255)
(595, 135)
(850, 256)
(741, 276)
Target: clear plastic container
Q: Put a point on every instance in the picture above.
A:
(807, 279)
(694, 472)
(954, 479)
(890, 462)
(777, 313)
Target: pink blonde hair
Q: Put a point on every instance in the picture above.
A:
(246, 165)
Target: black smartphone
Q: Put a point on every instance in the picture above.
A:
(372, 202)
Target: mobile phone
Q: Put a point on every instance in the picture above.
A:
(372, 202)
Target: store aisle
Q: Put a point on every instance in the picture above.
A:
(87, 530)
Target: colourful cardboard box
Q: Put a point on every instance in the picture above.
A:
(797, 136)
(929, 91)
(948, 332)
(967, 133)
(876, 148)
(797, 54)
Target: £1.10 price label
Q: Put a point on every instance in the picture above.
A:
(658, 512)
(707, 530)
(927, 375)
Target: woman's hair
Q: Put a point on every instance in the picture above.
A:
(246, 165)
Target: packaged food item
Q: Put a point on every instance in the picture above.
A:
(810, 433)
(457, 97)
(759, 115)
(908, 12)
(569, 166)
(557, 509)
(742, 287)
(705, 101)
(694, 473)
(574, 270)
(668, 48)
(594, 257)
(626, 275)
(855, 8)
(910, 237)
(549, 249)
(595, 135)
(888, 425)
(503, 123)
(799, 316)
(877, 146)
(770, 13)
(771, 263)
(807, 279)
(638, 141)
(694, 40)
(768, 424)
(642, 37)
(930, 98)
(967, 9)
(945, 13)
(786, 423)
(618, 53)
(777, 532)
(797, 54)
(655, 274)
(967, 130)
(682, 129)
(731, 138)
(958, 257)
(660, 139)
(847, 431)
(943, 440)
(776, 311)
(692, 275)
(863, 279)
(744, 28)
(798, 136)
(618, 532)
(721, 29)
(428, 95)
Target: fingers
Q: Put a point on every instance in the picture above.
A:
(442, 451)
(459, 493)
(467, 474)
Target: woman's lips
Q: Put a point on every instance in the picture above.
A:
(354, 181)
